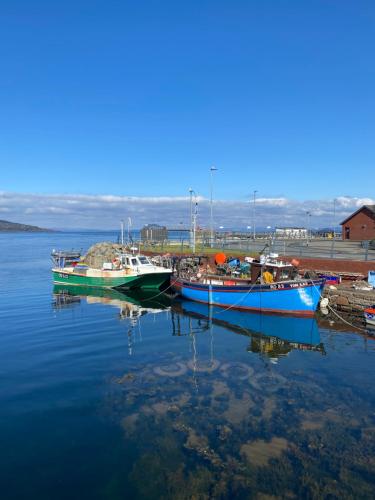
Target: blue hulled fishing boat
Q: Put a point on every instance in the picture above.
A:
(272, 287)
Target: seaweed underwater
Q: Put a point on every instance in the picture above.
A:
(211, 426)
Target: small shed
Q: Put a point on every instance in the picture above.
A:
(154, 232)
(360, 225)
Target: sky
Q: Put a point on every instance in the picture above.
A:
(112, 109)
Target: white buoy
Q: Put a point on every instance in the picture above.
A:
(324, 303)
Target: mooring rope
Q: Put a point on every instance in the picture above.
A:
(157, 295)
(341, 318)
(236, 303)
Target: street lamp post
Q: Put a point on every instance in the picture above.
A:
(191, 191)
(254, 195)
(212, 170)
(334, 217)
(195, 213)
(308, 214)
(193, 219)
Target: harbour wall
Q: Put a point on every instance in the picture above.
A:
(334, 265)
(349, 300)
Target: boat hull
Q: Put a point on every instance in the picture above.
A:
(153, 280)
(298, 298)
(113, 281)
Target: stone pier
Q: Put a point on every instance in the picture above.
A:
(349, 300)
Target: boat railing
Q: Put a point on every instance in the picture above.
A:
(62, 259)
(229, 279)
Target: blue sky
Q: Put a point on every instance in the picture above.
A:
(140, 98)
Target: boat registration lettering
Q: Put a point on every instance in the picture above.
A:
(277, 286)
(280, 286)
(63, 275)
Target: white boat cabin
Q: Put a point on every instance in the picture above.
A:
(135, 261)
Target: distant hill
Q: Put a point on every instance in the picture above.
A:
(6, 226)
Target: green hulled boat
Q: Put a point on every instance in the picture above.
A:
(127, 271)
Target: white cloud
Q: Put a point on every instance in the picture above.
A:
(105, 211)
(278, 202)
(346, 201)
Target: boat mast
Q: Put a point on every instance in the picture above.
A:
(122, 232)
(129, 226)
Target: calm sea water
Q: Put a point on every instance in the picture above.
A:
(107, 396)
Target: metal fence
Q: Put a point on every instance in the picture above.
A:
(311, 248)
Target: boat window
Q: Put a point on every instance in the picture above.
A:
(134, 262)
(127, 261)
(143, 260)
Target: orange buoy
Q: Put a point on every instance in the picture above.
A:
(220, 258)
(295, 262)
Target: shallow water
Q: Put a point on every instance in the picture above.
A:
(110, 396)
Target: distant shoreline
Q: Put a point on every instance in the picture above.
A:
(15, 227)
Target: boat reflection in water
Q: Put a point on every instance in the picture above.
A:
(271, 335)
(131, 304)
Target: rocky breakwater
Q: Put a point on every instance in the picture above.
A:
(348, 299)
(103, 252)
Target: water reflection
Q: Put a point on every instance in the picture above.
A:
(208, 414)
(271, 335)
(131, 304)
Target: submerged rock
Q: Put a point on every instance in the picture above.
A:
(259, 452)
(238, 408)
(224, 432)
(128, 423)
(199, 444)
(127, 377)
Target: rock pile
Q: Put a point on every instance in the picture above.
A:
(103, 252)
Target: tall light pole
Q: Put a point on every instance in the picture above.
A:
(308, 214)
(193, 219)
(254, 197)
(191, 191)
(212, 170)
(334, 216)
(195, 214)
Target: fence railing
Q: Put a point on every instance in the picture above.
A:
(312, 248)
